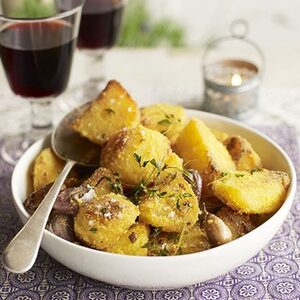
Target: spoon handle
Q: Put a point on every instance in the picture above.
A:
(20, 254)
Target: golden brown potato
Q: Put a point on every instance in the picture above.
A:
(242, 153)
(170, 204)
(166, 118)
(101, 221)
(46, 168)
(255, 192)
(201, 151)
(221, 136)
(132, 242)
(239, 224)
(103, 181)
(113, 110)
(135, 154)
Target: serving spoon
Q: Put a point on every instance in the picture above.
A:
(21, 253)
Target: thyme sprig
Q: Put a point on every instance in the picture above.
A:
(168, 120)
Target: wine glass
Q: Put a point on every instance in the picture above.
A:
(99, 30)
(36, 50)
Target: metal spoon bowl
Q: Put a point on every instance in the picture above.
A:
(20, 254)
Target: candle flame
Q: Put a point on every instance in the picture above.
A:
(236, 80)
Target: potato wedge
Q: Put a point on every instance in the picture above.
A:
(200, 150)
(113, 110)
(101, 221)
(170, 204)
(242, 153)
(132, 242)
(256, 192)
(135, 154)
(166, 118)
(46, 168)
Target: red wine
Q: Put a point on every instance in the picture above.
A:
(99, 28)
(37, 57)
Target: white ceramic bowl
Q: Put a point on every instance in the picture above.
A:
(173, 271)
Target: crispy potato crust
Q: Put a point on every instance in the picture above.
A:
(46, 168)
(101, 221)
(172, 207)
(257, 192)
(113, 110)
(128, 150)
(104, 182)
(166, 118)
(132, 242)
(242, 153)
(201, 151)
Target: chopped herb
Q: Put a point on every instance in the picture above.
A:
(138, 158)
(255, 170)
(186, 195)
(165, 122)
(239, 175)
(116, 187)
(145, 163)
(162, 194)
(164, 252)
(145, 245)
(224, 174)
(156, 231)
(178, 204)
(110, 111)
(93, 230)
(103, 211)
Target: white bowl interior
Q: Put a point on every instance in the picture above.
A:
(164, 272)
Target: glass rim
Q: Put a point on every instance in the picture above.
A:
(58, 16)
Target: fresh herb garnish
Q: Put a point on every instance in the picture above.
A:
(93, 230)
(110, 111)
(239, 175)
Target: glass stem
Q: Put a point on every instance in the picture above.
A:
(41, 117)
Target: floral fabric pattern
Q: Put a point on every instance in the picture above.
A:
(272, 274)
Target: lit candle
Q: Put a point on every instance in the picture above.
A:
(236, 80)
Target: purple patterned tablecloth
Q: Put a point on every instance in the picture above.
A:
(271, 274)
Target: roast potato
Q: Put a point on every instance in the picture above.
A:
(112, 110)
(103, 181)
(46, 168)
(242, 153)
(135, 154)
(170, 204)
(101, 221)
(166, 118)
(200, 150)
(256, 192)
(132, 242)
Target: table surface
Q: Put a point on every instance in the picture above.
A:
(272, 274)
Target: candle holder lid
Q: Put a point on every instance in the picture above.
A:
(239, 29)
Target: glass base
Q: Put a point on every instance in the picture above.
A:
(13, 147)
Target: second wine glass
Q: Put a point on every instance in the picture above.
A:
(99, 30)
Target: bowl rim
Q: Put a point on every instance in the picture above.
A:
(192, 113)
